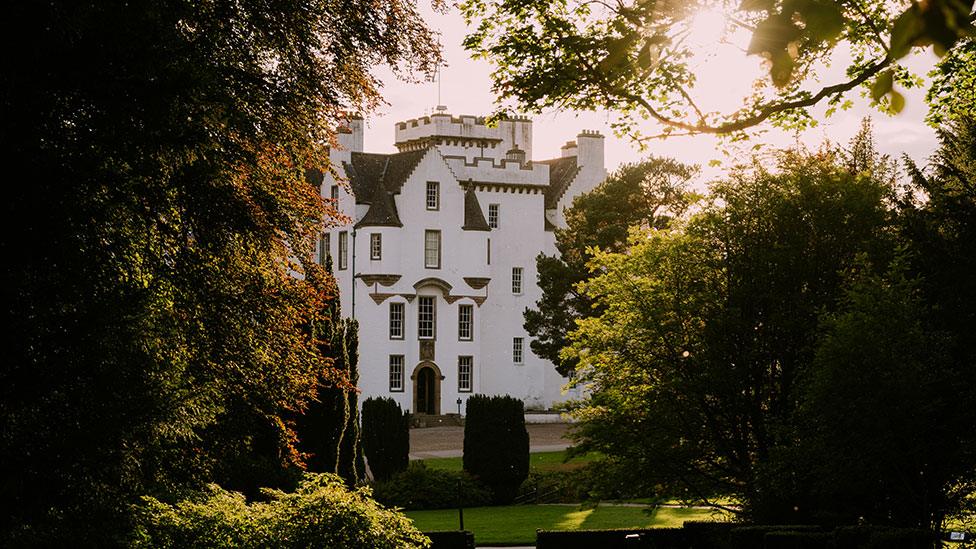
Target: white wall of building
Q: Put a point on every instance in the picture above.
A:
(519, 192)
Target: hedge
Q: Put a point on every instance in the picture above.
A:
(496, 444)
(719, 535)
(650, 538)
(451, 539)
(385, 437)
(420, 487)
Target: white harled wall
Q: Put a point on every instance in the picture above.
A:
(519, 238)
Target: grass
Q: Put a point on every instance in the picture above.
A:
(540, 461)
(516, 524)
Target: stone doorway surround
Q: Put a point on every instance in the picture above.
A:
(434, 397)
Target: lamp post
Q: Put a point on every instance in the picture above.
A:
(459, 405)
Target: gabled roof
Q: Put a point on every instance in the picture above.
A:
(375, 178)
(562, 172)
(474, 217)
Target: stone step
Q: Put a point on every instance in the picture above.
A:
(421, 421)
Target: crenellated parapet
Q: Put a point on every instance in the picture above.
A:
(460, 133)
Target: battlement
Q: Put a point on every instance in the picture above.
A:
(459, 135)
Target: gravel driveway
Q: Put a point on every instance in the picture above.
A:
(449, 441)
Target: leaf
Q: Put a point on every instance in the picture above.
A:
(896, 103)
(881, 86)
(773, 35)
(907, 28)
(782, 68)
(756, 5)
(824, 20)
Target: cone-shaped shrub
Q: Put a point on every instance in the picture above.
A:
(496, 444)
(385, 437)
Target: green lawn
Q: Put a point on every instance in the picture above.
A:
(516, 524)
(540, 461)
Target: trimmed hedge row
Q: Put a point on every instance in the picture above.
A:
(420, 487)
(700, 535)
(451, 539)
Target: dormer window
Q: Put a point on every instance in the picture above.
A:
(433, 195)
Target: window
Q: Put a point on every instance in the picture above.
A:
(516, 280)
(343, 249)
(488, 248)
(426, 317)
(433, 195)
(396, 320)
(396, 373)
(493, 216)
(465, 371)
(432, 249)
(335, 195)
(465, 324)
(324, 248)
(375, 246)
(517, 344)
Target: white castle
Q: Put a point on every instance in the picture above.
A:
(439, 261)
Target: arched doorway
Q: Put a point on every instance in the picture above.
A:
(427, 389)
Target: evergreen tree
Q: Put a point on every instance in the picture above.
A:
(351, 466)
(649, 193)
(496, 444)
(386, 437)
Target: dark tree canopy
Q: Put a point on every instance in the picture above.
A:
(632, 57)
(156, 337)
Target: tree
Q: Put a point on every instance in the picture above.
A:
(633, 57)
(496, 444)
(155, 325)
(884, 429)
(386, 437)
(707, 329)
(650, 193)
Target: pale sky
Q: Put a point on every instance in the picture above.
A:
(466, 89)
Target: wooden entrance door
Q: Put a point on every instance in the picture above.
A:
(426, 391)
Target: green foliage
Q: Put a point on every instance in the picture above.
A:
(882, 438)
(419, 487)
(157, 338)
(650, 193)
(351, 465)
(952, 96)
(322, 512)
(636, 58)
(707, 330)
(496, 444)
(386, 437)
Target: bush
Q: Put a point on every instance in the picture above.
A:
(798, 540)
(386, 437)
(878, 537)
(451, 539)
(752, 537)
(711, 535)
(322, 512)
(614, 538)
(422, 488)
(496, 444)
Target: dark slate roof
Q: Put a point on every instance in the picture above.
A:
(375, 178)
(562, 171)
(474, 217)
